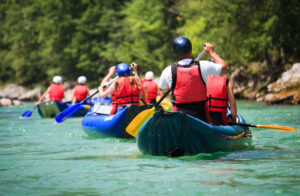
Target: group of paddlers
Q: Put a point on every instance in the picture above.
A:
(56, 90)
(198, 87)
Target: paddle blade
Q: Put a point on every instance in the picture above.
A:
(280, 128)
(135, 125)
(27, 114)
(67, 112)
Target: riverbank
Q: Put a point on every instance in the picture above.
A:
(258, 85)
(248, 84)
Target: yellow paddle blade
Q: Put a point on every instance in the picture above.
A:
(166, 104)
(280, 128)
(135, 125)
(87, 107)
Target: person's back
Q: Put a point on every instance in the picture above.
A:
(151, 87)
(127, 91)
(56, 92)
(80, 92)
(126, 88)
(217, 99)
(189, 97)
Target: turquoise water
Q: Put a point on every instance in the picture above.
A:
(39, 157)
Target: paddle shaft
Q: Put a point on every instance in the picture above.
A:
(274, 127)
(105, 86)
(162, 98)
(200, 55)
(245, 125)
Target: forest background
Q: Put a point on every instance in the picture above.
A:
(43, 38)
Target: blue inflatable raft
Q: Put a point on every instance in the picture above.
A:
(105, 125)
(177, 134)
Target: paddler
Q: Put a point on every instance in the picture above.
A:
(126, 88)
(188, 78)
(55, 91)
(219, 93)
(80, 91)
(151, 87)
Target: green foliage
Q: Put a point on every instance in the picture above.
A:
(244, 31)
(43, 38)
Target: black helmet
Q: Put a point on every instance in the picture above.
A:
(182, 45)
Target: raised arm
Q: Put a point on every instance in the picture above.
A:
(111, 88)
(111, 72)
(232, 101)
(134, 68)
(145, 93)
(209, 49)
(43, 96)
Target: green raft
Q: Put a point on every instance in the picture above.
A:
(50, 109)
(177, 134)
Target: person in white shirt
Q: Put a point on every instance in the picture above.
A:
(188, 78)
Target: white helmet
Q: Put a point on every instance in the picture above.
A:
(57, 79)
(149, 75)
(81, 80)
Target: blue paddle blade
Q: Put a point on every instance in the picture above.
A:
(27, 114)
(67, 112)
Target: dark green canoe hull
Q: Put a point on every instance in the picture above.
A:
(176, 134)
(50, 109)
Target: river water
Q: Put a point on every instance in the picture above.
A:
(39, 157)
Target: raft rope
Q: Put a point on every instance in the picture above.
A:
(175, 151)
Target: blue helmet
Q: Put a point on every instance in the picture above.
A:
(123, 69)
(182, 45)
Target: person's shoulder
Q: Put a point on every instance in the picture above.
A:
(168, 67)
(167, 70)
(206, 63)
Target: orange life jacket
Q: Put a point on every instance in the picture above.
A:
(80, 92)
(56, 92)
(187, 84)
(151, 90)
(217, 93)
(126, 94)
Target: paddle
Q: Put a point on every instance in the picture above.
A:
(73, 108)
(200, 55)
(274, 127)
(28, 113)
(135, 125)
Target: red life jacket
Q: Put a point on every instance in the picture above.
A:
(187, 84)
(56, 92)
(151, 89)
(126, 94)
(80, 92)
(217, 93)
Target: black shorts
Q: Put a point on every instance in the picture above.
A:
(195, 109)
